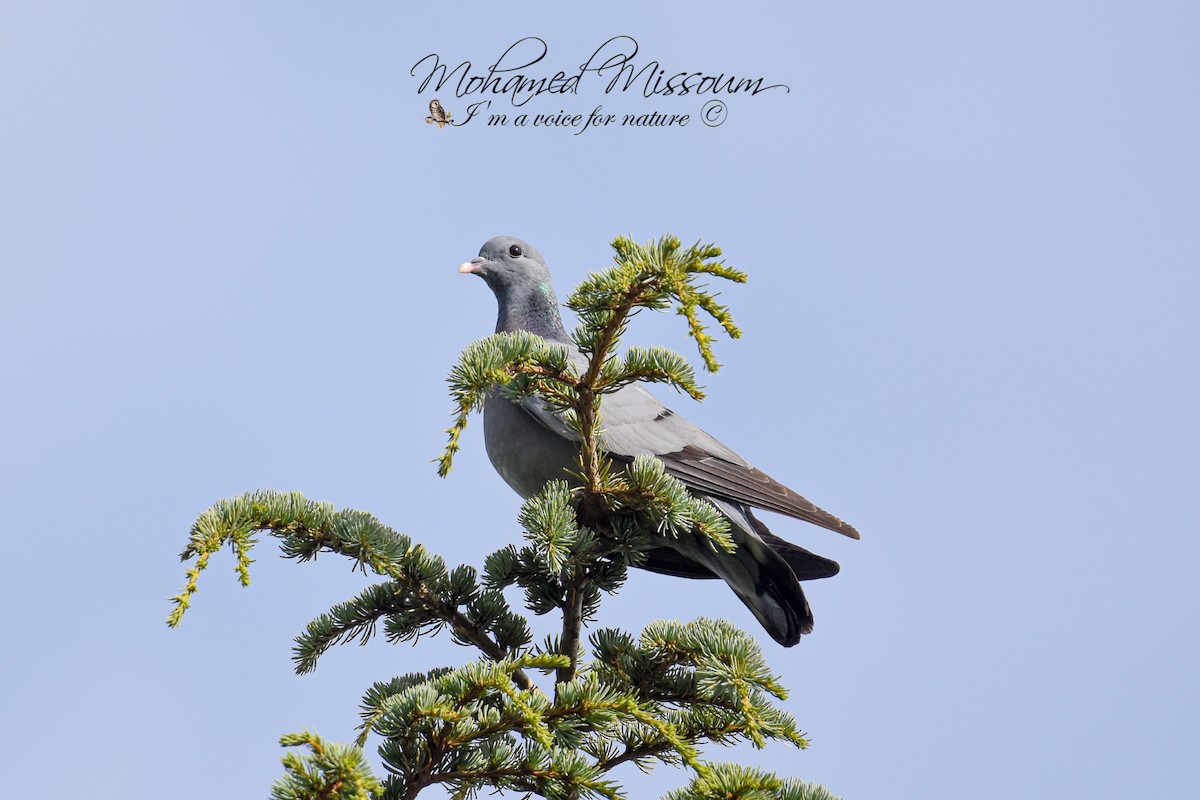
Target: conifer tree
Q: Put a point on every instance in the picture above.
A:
(550, 718)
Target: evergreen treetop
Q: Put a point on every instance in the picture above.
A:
(553, 717)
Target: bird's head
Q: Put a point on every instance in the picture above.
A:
(520, 279)
(509, 266)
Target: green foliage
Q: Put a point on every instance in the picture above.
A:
(327, 771)
(735, 782)
(520, 363)
(655, 275)
(490, 724)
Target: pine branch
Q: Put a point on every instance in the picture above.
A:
(646, 277)
(572, 626)
(736, 782)
(421, 595)
(637, 754)
(655, 276)
(706, 678)
(519, 363)
(328, 771)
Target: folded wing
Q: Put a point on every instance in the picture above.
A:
(634, 422)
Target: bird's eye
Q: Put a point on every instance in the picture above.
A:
(514, 250)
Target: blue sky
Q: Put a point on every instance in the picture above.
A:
(227, 261)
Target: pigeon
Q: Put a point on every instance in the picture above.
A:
(529, 444)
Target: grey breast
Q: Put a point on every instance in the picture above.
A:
(523, 451)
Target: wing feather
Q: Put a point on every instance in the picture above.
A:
(745, 484)
(634, 422)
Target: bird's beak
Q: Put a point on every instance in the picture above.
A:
(473, 265)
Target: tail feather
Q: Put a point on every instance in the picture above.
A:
(762, 580)
(805, 564)
(779, 604)
(764, 571)
(759, 576)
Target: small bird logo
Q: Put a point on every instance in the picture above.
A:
(438, 114)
